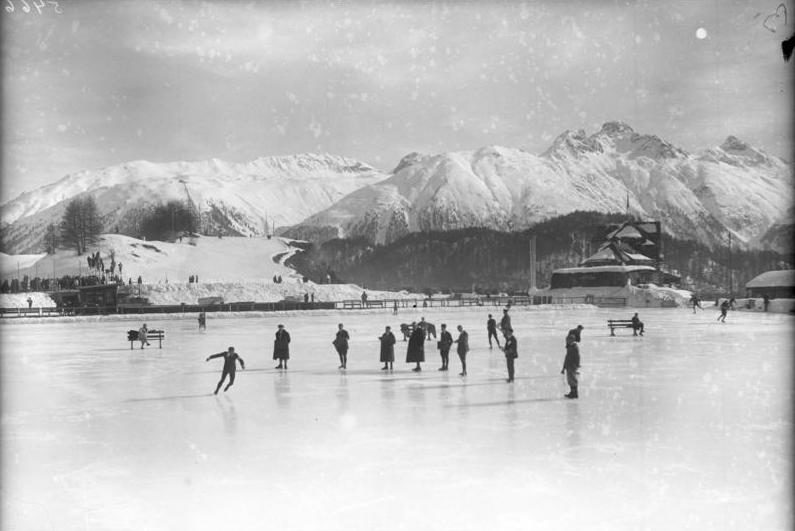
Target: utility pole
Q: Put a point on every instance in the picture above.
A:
(533, 263)
(731, 272)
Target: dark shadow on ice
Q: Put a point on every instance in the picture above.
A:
(504, 402)
(175, 397)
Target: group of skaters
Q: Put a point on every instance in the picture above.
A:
(415, 352)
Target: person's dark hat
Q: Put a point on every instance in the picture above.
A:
(581, 327)
(281, 326)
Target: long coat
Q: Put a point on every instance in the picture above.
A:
(281, 345)
(341, 341)
(387, 347)
(416, 350)
(463, 343)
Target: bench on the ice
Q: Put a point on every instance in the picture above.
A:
(160, 335)
(619, 323)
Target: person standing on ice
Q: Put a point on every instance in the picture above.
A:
(230, 356)
(571, 365)
(511, 353)
(142, 335)
(724, 308)
(416, 347)
(444, 344)
(505, 322)
(341, 344)
(387, 349)
(696, 302)
(281, 347)
(462, 349)
(202, 321)
(394, 308)
(491, 328)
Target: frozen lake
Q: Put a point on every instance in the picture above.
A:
(686, 428)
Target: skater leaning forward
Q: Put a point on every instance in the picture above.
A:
(281, 347)
(230, 356)
(387, 349)
(571, 365)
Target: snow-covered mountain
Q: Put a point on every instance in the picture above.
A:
(235, 198)
(731, 188)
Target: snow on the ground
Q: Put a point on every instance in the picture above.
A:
(20, 300)
(685, 427)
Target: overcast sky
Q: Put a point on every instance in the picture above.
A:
(107, 82)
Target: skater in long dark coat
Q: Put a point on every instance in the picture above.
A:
(416, 348)
(463, 348)
(230, 356)
(281, 347)
(491, 328)
(444, 344)
(387, 348)
(571, 365)
(637, 325)
(511, 353)
(341, 344)
(505, 322)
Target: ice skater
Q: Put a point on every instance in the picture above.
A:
(415, 352)
(462, 349)
(202, 321)
(142, 335)
(505, 322)
(511, 353)
(491, 328)
(571, 365)
(341, 344)
(576, 332)
(724, 309)
(387, 340)
(444, 344)
(394, 308)
(230, 356)
(281, 347)
(696, 302)
(637, 325)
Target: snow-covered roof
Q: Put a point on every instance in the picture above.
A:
(604, 269)
(771, 279)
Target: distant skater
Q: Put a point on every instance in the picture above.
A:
(416, 348)
(202, 321)
(142, 335)
(230, 356)
(491, 328)
(281, 347)
(444, 344)
(571, 365)
(505, 322)
(394, 308)
(696, 302)
(637, 325)
(462, 349)
(511, 353)
(341, 344)
(766, 301)
(724, 309)
(387, 340)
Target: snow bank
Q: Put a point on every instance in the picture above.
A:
(20, 300)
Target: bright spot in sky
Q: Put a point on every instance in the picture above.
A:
(701, 33)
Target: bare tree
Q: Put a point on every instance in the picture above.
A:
(80, 225)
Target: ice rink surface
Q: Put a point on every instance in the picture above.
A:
(688, 427)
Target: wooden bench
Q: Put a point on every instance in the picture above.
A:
(619, 323)
(160, 335)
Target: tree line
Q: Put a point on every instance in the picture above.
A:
(81, 224)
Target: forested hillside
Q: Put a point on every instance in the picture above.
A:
(500, 261)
